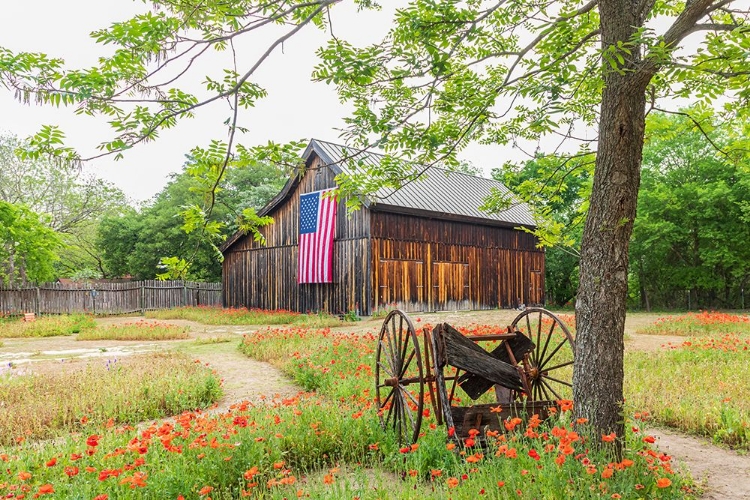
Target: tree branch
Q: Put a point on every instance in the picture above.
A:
(698, 126)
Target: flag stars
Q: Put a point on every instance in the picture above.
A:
(308, 220)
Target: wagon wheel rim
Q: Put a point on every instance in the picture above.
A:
(431, 386)
(549, 366)
(399, 378)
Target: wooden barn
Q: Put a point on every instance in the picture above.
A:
(424, 247)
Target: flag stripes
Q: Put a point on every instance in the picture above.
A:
(317, 225)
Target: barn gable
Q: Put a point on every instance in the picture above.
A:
(425, 246)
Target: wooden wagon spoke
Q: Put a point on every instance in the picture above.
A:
(403, 354)
(393, 351)
(407, 363)
(547, 377)
(411, 396)
(549, 358)
(390, 412)
(546, 344)
(385, 401)
(528, 325)
(408, 410)
(561, 365)
(388, 369)
(398, 420)
(557, 396)
(538, 334)
(542, 390)
(395, 342)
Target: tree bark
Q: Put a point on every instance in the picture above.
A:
(602, 294)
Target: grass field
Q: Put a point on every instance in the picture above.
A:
(323, 443)
(114, 391)
(137, 330)
(46, 326)
(218, 316)
(701, 386)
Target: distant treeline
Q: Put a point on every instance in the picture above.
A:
(691, 240)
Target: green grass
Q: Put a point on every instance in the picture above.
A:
(139, 330)
(46, 326)
(701, 387)
(219, 316)
(124, 390)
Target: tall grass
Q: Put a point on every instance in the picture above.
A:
(139, 330)
(123, 390)
(218, 316)
(701, 387)
(46, 326)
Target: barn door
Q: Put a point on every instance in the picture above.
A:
(536, 290)
(400, 285)
(450, 286)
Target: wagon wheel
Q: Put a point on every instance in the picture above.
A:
(549, 366)
(398, 364)
(430, 378)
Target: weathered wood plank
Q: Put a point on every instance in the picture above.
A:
(474, 385)
(467, 355)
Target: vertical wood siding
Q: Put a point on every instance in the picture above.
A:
(466, 266)
(261, 276)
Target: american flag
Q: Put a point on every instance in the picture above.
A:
(317, 223)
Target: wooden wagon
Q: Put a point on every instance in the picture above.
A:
(529, 370)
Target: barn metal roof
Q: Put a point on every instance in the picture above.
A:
(437, 192)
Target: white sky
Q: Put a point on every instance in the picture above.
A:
(296, 108)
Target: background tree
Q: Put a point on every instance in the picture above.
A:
(72, 201)
(559, 205)
(447, 74)
(692, 229)
(139, 242)
(28, 247)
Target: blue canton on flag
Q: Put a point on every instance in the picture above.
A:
(308, 212)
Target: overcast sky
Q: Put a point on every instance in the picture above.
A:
(295, 109)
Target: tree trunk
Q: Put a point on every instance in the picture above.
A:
(602, 294)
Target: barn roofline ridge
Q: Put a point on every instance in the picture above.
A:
(520, 213)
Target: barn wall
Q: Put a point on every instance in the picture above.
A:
(430, 264)
(261, 276)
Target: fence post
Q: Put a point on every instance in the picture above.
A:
(37, 305)
(184, 294)
(143, 298)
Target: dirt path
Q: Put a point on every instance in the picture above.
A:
(724, 474)
(244, 378)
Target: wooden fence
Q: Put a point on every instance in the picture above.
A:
(107, 298)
